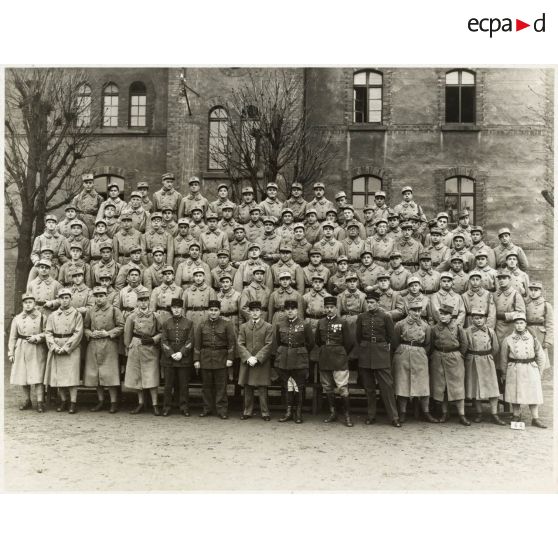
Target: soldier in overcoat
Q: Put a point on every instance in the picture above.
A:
(192, 200)
(477, 297)
(334, 343)
(508, 301)
(103, 325)
(255, 341)
(522, 360)
(255, 291)
(196, 297)
(374, 334)
(44, 288)
(292, 343)
(63, 333)
(177, 346)
(278, 298)
(142, 335)
(540, 319)
(27, 352)
(87, 202)
(212, 240)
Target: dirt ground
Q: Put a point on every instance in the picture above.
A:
(100, 452)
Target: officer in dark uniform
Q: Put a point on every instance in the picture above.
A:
(374, 332)
(334, 341)
(292, 343)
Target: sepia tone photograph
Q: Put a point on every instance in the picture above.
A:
(278, 279)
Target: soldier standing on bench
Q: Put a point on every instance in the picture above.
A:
(334, 343)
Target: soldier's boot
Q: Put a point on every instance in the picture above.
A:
(289, 412)
(40, 407)
(536, 422)
(97, 407)
(429, 418)
(113, 408)
(347, 411)
(299, 401)
(331, 403)
(26, 405)
(62, 407)
(73, 409)
(464, 420)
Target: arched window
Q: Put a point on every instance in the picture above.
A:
(364, 188)
(460, 96)
(460, 193)
(138, 105)
(83, 106)
(250, 126)
(102, 182)
(367, 96)
(218, 130)
(110, 106)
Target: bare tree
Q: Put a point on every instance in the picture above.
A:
(266, 136)
(48, 138)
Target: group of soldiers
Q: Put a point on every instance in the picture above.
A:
(174, 285)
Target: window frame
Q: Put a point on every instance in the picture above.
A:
(458, 196)
(368, 192)
(216, 120)
(367, 87)
(83, 117)
(112, 95)
(141, 91)
(459, 86)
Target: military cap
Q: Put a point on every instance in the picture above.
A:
(254, 305)
(456, 257)
(106, 244)
(406, 189)
(285, 247)
(136, 194)
(214, 304)
(228, 205)
(254, 245)
(380, 194)
(477, 312)
(481, 254)
(64, 292)
(135, 248)
(424, 255)
(330, 300)
(167, 176)
(133, 268)
(126, 216)
(512, 254)
(352, 223)
(142, 293)
(99, 290)
(503, 273)
(463, 213)
(177, 302)
(196, 209)
(318, 278)
(340, 195)
(413, 217)
(210, 215)
(76, 245)
(158, 248)
(268, 219)
(536, 285)
(110, 203)
(198, 269)
(193, 179)
(380, 220)
(433, 224)
(27, 296)
(258, 269)
(157, 215)
(504, 230)
(383, 275)
(442, 214)
(342, 259)
(223, 185)
(333, 210)
(350, 276)
(435, 230)
(446, 308)
(474, 273)
(372, 294)
(223, 252)
(226, 276)
(446, 275)
(364, 252)
(183, 221)
(318, 185)
(70, 206)
(106, 275)
(247, 190)
(238, 226)
(458, 234)
(316, 251)
(519, 316)
(97, 221)
(255, 208)
(415, 305)
(477, 228)
(413, 279)
(328, 224)
(285, 275)
(168, 269)
(392, 214)
(299, 226)
(113, 185)
(406, 225)
(395, 254)
(51, 217)
(368, 207)
(287, 210)
(166, 210)
(87, 176)
(310, 210)
(142, 185)
(291, 304)
(48, 249)
(296, 186)
(271, 185)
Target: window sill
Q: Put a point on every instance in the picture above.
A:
(460, 127)
(140, 130)
(368, 127)
(215, 174)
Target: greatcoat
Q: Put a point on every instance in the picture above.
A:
(255, 340)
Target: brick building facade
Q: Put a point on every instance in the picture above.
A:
(479, 137)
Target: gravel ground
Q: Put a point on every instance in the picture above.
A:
(86, 452)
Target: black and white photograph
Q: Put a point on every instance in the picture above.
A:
(279, 278)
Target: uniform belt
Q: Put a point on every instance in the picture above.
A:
(246, 283)
(62, 335)
(413, 343)
(522, 360)
(536, 323)
(351, 313)
(500, 316)
(226, 314)
(448, 350)
(23, 336)
(429, 292)
(469, 314)
(329, 260)
(357, 260)
(479, 353)
(334, 344)
(410, 263)
(95, 258)
(216, 348)
(166, 308)
(197, 308)
(40, 302)
(297, 346)
(210, 251)
(187, 283)
(90, 212)
(313, 315)
(148, 250)
(128, 308)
